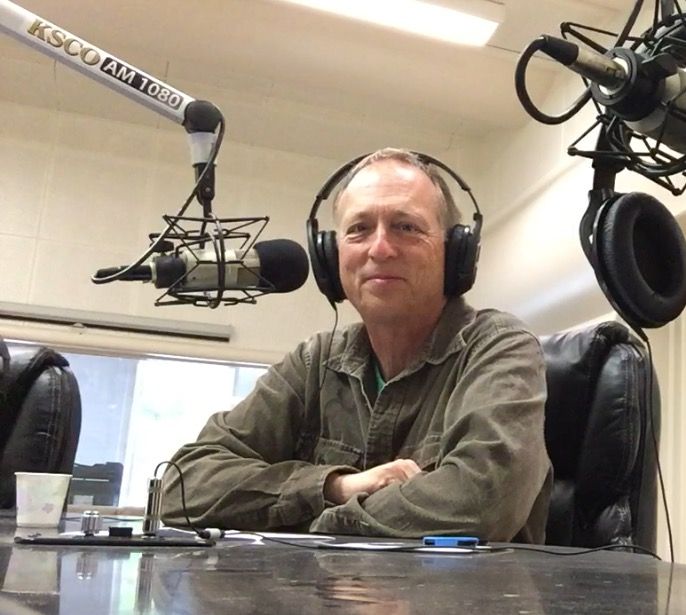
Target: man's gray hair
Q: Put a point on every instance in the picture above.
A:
(449, 213)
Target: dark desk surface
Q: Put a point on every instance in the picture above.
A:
(239, 577)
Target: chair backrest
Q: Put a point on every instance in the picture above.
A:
(600, 420)
(40, 415)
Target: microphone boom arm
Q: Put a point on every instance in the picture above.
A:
(205, 125)
(93, 62)
(199, 118)
(202, 120)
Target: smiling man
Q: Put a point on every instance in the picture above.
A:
(426, 417)
(391, 254)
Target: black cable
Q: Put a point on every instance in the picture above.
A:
(536, 45)
(183, 495)
(165, 233)
(523, 94)
(586, 551)
(656, 448)
(328, 348)
(220, 257)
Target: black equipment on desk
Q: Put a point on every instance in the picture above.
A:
(114, 541)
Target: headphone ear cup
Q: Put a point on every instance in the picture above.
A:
(329, 247)
(316, 256)
(461, 257)
(641, 257)
(323, 251)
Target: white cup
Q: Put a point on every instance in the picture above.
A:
(40, 498)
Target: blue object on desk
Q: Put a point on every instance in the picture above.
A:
(450, 541)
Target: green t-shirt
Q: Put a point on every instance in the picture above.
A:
(378, 376)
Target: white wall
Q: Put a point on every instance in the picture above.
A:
(532, 263)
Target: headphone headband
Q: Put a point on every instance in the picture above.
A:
(339, 174)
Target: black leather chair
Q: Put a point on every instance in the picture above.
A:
(598, 435)
(40, 414)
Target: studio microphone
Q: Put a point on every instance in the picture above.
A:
(647, 93)
(275, 266)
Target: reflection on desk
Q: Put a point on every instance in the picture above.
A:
(245, 577)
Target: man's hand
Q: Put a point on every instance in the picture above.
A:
(339, 488)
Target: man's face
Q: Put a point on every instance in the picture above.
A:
(391, 244)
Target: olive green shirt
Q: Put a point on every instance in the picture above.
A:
(468, 411)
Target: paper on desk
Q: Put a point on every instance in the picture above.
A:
(296, 536)
(393, 546)
(259, 537)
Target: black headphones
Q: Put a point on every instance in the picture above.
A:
(637, 251)
(461, 243)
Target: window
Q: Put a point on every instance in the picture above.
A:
(137, 411)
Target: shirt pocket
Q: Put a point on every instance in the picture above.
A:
(335, 453)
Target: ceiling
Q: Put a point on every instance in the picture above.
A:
(281, 72)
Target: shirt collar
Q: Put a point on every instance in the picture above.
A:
(355, 353)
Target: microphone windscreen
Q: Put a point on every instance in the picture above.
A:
(283, 264)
